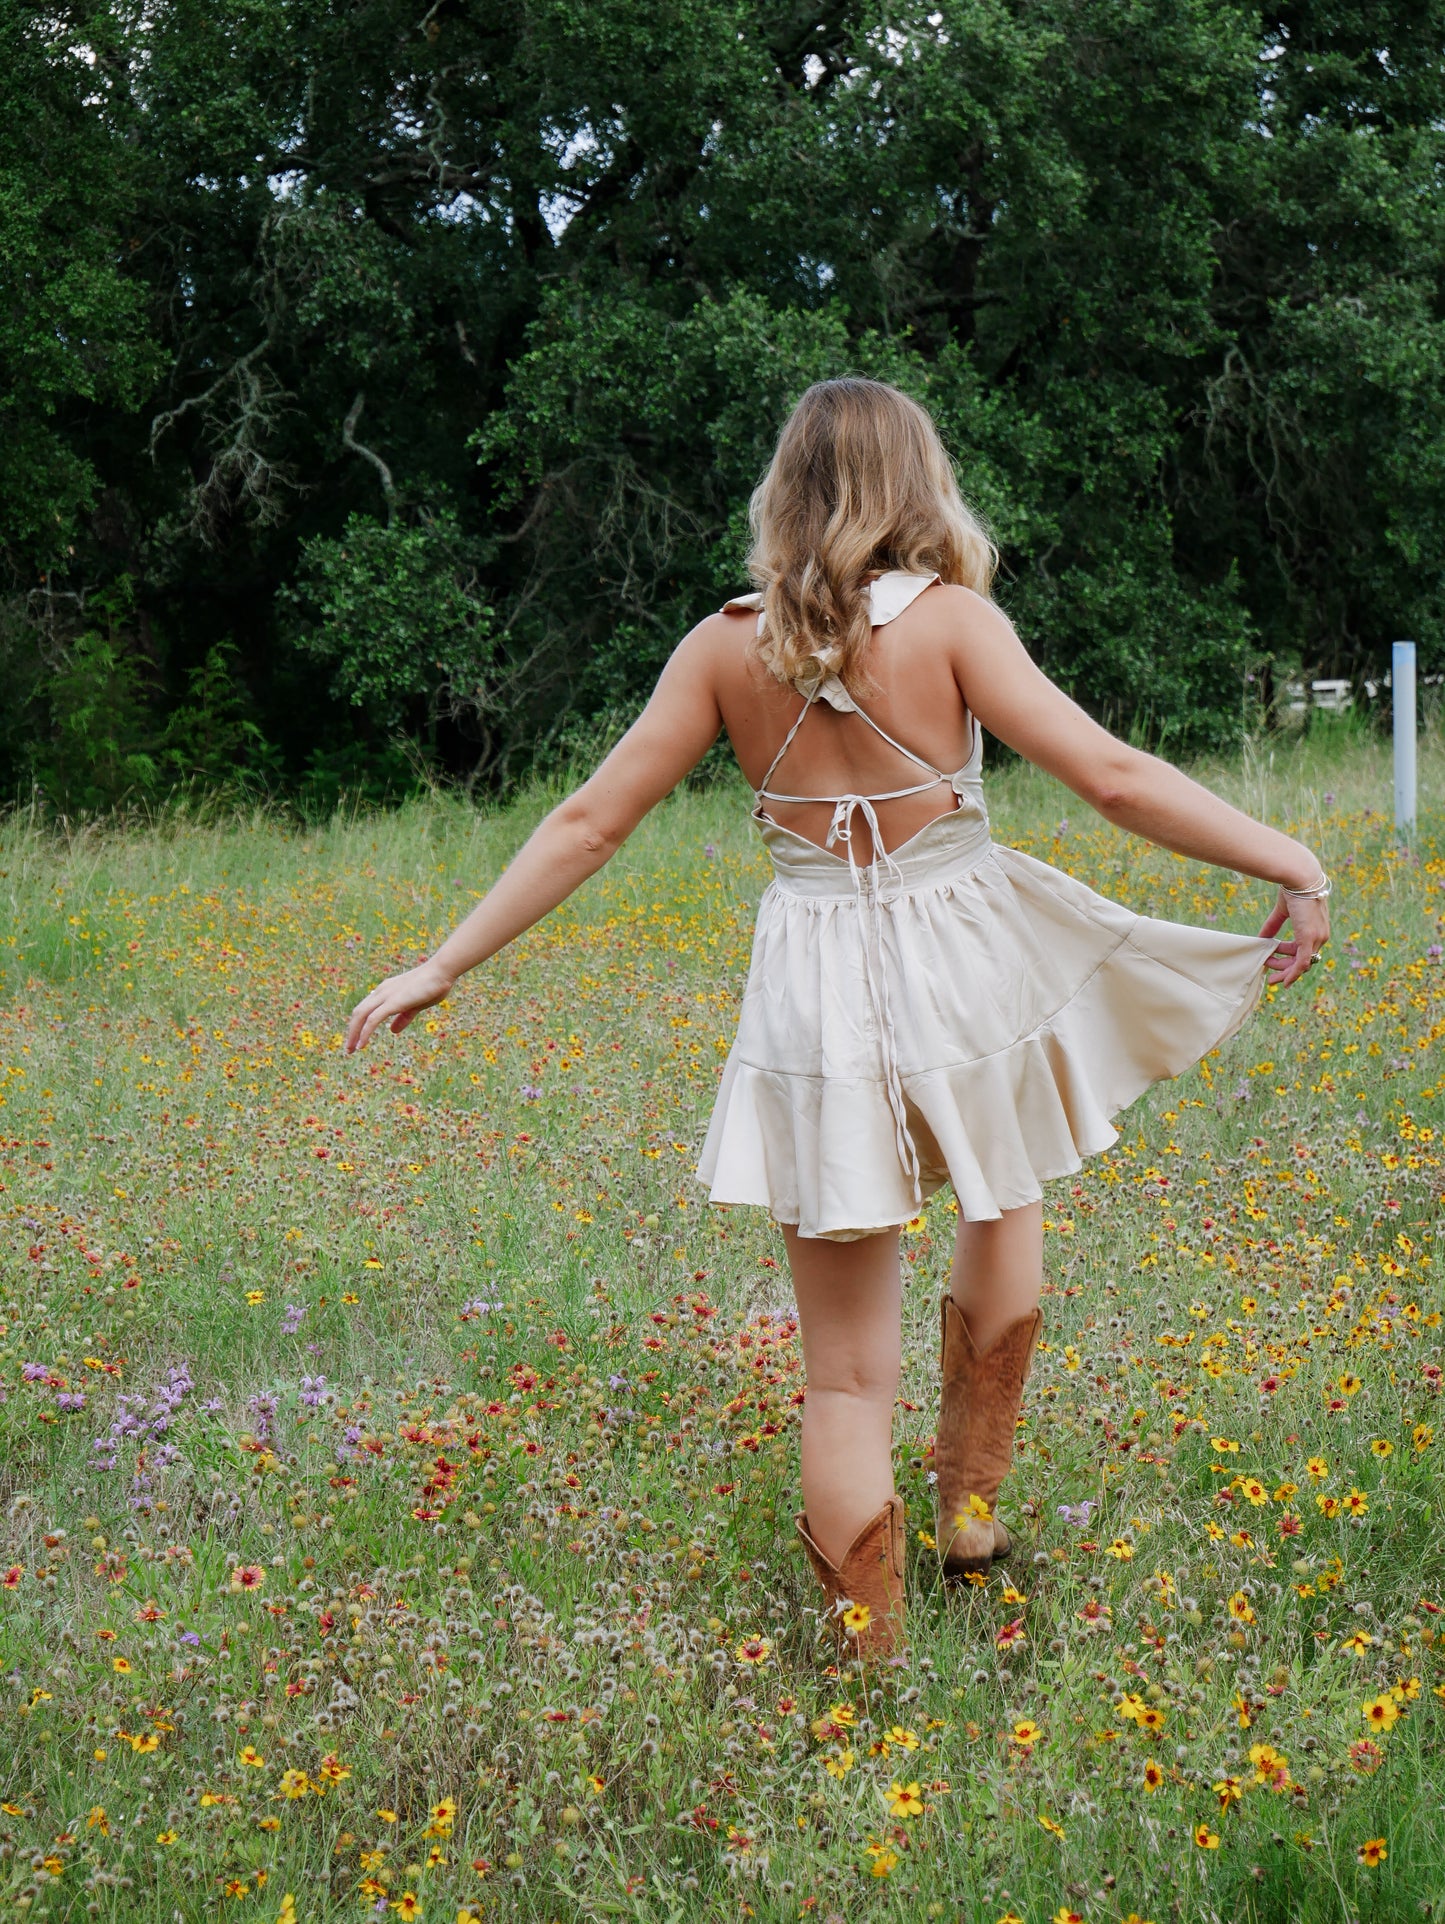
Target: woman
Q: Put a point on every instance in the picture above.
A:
(925, 1005)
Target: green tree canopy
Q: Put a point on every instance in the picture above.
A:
(521, 295)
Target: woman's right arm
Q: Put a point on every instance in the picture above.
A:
(1018, 703)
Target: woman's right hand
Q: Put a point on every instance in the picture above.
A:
(396, 1001)
(1309, 918)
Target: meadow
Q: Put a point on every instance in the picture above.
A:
(399, 1453)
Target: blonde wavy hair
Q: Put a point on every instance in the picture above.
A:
(859, 481)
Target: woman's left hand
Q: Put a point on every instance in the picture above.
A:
(1309, 916)
(397, 1000)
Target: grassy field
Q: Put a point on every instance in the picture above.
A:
(399, 1457)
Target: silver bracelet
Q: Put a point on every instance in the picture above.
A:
(1323, 887)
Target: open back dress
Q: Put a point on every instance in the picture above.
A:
(951, 1010)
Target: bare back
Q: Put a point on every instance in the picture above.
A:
(917, 700)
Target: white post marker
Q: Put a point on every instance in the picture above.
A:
(1402, 702)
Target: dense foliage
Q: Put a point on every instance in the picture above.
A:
(383, 385)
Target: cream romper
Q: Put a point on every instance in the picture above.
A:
(952, 1010)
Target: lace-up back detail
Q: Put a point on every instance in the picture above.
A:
(889, 595)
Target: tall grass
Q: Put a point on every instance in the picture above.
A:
(398, 1452)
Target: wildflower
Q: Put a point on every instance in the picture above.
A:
(1382, 1446)
(759, 1649)
(247, 1576)
(839, 1764)
(1381, 1713)
(1205, 1838)
(884, 1860)
(855, 1618)
(250, 1755)
(1349, 1384)
(1372, 1852)
(1153, 1776)
(407, 1906)
(294, 1783)
(1048, 1824)
(904, 1739)
(976, 1507)
(1026, 1733)
(1317, 1467)
(1225, 1445)
(1120, 1548)
(1359, 1643)
(1010, 1634)
(904, 1800)
(121, 1666)
(1270, 1765)
(1240, 1608)
(1357, 1503)
(331, 1770)
(1228, 1790)
(1254, 1490)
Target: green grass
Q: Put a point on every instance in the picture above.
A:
(507, 1551)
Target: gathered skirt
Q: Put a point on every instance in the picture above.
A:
(1008, 1008)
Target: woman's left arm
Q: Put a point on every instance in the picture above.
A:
(669, 738)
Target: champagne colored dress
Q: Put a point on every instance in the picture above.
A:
(953, 1010)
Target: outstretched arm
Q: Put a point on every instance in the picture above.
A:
(1018, 703)
(669, 738)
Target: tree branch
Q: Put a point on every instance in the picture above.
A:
(349, 440)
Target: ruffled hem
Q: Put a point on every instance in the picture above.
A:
(819, 1151)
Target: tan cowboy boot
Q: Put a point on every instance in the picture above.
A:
(974, 1445)
(870, 1573)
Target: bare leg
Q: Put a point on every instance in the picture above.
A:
(998, 1270)
(849, 1299)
